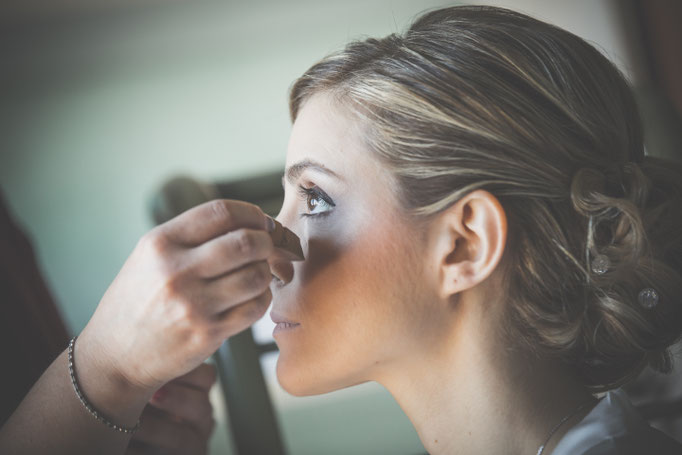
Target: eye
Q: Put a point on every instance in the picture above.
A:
(314, 199)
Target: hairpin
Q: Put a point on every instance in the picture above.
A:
(648, 298)
(600, 264)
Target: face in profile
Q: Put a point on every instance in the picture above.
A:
(359, 297)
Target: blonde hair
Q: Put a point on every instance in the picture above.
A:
(473, 97)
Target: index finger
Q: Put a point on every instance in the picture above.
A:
(212, 219)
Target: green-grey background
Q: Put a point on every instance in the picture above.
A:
(103, 102)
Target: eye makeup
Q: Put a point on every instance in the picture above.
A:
(315, 194)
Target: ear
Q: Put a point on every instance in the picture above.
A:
(468, 240)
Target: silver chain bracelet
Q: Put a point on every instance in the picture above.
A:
(87, 404)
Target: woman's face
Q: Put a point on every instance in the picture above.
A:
(359, 297)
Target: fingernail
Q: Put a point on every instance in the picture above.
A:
(269, 224)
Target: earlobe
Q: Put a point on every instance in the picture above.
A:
(472, 235)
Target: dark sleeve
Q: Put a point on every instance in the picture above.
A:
(649, 441)
(32, 332)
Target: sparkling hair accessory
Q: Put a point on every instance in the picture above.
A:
(647, 297)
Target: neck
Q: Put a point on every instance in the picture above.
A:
(467, 393)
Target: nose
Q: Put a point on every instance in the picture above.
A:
(282, 269)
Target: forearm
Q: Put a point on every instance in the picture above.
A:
(51, 419)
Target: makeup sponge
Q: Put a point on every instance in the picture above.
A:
(287, 243)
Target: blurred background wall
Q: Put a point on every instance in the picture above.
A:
(103, 101)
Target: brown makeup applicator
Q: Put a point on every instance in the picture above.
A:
(287, 243)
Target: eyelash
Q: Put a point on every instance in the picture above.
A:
(306, 193)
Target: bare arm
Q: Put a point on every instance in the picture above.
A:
(188, 285)
(51, 419)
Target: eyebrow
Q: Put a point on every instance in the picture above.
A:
(294, 171)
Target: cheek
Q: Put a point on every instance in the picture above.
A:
(353, 298)
(353, 285)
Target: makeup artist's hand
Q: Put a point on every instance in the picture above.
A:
(178, 418)
(189, 284)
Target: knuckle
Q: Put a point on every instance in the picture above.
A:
(183, 310)
(246, 243)
(200, 337)
(173, 289)
(171, 273)
(221, 211)
(156, 241)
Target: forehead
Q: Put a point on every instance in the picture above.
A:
(325, 131)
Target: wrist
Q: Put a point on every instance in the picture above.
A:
(105, 387)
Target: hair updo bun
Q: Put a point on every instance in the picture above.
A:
(475, 97)
(637, 226)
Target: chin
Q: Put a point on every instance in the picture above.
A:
(295, 381)
(304, 381)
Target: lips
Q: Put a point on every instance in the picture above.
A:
(279, 319)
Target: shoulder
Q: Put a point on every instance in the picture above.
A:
(614, 427)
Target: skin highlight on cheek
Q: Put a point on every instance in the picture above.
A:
(350, 303)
